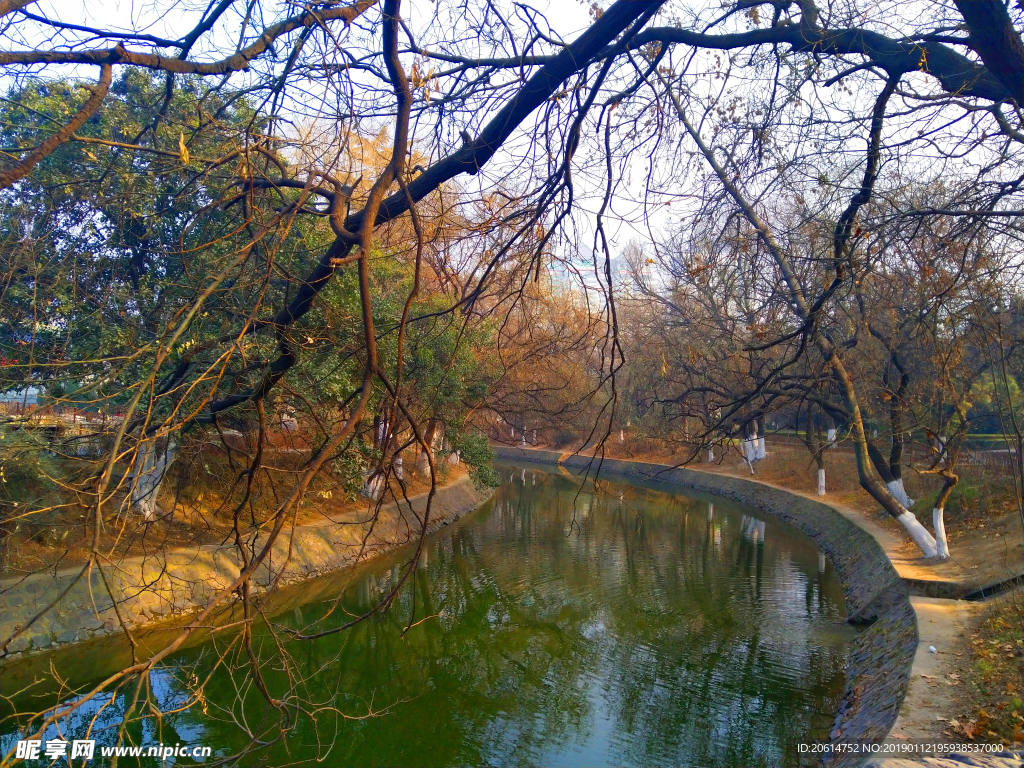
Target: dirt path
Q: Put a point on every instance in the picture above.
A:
(934, 694)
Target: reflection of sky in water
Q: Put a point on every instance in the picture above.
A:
(100, 718)
(615, 626)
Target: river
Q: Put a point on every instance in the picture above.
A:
(561, 624)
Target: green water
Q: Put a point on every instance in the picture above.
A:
(612, 626)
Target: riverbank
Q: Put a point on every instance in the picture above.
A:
(163, 589)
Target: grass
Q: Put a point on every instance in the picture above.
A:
(997, 673)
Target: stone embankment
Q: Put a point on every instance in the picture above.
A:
(164, 588)
(882, 655)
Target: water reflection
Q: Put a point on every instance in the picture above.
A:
(569, 626)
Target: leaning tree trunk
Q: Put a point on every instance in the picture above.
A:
(897, 404)
(896, 472)
(893, 483)
(868, 472)
(151, 464)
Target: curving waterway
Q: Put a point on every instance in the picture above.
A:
(558, 625)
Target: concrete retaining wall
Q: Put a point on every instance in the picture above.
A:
(881, 656)
(162, 588)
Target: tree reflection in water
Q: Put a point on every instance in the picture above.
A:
(612, 625)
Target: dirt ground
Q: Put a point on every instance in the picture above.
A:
(192, 518)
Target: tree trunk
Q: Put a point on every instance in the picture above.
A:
(750, 444)
(761, 451)
(867, 473)
(151, 464)
(816, 446)
(429, 437)
(373, 486)
(949, 481)
(892, 483)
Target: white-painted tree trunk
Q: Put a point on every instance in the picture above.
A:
(454, 458)
(622, 436)
(750, 453)
(374, 485)
(924, 540)
(711, 455)
(899, 493)
(941, 544)
(821, 482)
(150, 468)
(761, 452)
(831, 435)
(399, 466)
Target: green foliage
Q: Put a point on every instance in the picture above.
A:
(27, 472)
(349, 470)
(478, 455)
(116, 237)
(992, 402)
(27, 476)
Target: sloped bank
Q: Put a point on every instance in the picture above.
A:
(164, 588)
(881, 656)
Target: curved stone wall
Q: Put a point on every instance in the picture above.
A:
(881, 655)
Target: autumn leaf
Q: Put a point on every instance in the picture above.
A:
(183, 149)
